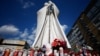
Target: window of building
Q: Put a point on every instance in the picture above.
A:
(99, 18)
(93, 12)
(94, 9)
(98, 3)
(75, 26)
(96, 21)
(77, 30)
(89, 15)
(80, 36)
(96, 17)
(98, 24)
(99, 27)
(81, 39)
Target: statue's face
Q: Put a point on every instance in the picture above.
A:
(45, 4)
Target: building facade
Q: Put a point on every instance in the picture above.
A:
(86, 29)
(13, 44)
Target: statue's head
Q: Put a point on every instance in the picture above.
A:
(46, 4)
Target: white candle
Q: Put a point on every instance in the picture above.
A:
(20, 53)
(56, 53)
(35, 53)
(61, 51)
(25, 53)
(11, 53)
